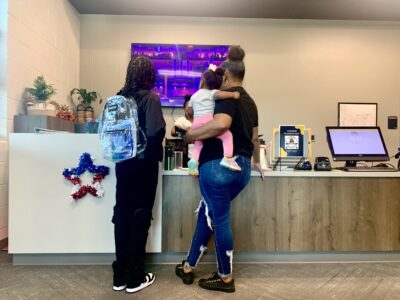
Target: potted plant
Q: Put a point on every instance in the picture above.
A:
(38, 96)
(83, 100)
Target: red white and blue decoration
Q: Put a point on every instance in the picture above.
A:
(94, 187)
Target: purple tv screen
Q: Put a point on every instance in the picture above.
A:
(179, 67)
(357, 142)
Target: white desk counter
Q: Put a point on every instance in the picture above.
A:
(42, 216)
(291, 211)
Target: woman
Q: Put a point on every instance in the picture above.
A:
(137, 182)
(218, 185)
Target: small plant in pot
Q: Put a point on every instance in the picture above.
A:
(83, 100)
(38, 96)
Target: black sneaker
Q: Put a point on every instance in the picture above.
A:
(187, 278)
(119, 281)
(119, 285)
(148, 280)
(215, 283)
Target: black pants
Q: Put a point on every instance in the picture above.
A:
(136, 189)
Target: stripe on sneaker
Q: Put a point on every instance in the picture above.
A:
(149, 279)
(119, 288)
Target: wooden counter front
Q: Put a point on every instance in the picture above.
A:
(294, 213)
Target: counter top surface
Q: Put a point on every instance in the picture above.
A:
(334, 173)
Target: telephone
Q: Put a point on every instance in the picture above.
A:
(322, 163)
(303, 165)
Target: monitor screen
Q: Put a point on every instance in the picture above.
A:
(357, 144)
(179, 67)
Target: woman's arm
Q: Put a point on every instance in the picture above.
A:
(215, 127)
(256, 153)
(256, 144)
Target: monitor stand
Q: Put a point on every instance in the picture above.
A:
(350, 163)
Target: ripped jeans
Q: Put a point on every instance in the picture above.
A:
(218, 186)
(136, 190)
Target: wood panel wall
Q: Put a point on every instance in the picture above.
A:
(294, 214)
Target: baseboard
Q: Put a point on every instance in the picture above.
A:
(242, 257)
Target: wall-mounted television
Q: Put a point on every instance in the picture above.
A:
(179, 67)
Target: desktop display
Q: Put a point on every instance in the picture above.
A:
(356, 144)
(179, 67)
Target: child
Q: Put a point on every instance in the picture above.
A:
(202, 102)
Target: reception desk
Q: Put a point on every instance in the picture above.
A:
(296, 211)
(289, 212)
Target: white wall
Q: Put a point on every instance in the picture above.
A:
(297, 70)
(43, 39)
(3, 121)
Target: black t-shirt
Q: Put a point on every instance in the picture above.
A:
(151, 120)
(244, 118)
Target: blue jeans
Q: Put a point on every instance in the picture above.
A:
(218, 186)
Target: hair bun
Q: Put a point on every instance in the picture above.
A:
(219, 71)
(235, 53)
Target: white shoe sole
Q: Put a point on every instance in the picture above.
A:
(119, 288)
(142, 285)
(232, 168)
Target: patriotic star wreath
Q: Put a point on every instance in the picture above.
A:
(94, 187)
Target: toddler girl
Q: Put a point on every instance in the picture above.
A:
(203, 102)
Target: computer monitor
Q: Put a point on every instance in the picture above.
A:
(352, 144)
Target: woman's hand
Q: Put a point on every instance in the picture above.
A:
(257, 167)
(188, 138)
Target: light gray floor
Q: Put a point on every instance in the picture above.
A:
(253, 281)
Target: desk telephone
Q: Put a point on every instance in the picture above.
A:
(322, 163)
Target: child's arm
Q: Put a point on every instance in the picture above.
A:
(222, 95)
(189, 113)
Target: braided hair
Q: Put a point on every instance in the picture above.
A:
(140, 74)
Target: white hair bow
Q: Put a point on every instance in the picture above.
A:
(212, 67)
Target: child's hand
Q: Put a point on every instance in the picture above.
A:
(236, 95)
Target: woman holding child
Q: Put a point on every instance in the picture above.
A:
(220, 185)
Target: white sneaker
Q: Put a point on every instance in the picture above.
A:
(230, 163)
(148, 280)
(119, 288)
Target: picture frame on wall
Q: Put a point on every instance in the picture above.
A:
(362, 114)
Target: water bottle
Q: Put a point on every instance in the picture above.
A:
(167, 158)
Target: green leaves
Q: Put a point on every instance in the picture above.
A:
(87, 97)
(41, 90)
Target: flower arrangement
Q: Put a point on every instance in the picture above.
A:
(65, 114)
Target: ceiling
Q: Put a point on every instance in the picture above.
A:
(383, 10)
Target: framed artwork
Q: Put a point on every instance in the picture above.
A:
(357, 114)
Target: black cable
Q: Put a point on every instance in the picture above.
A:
(172, 114)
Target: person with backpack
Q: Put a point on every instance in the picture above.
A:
(137, 180)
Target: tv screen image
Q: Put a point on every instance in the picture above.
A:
(179, 67)
(357, 144)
